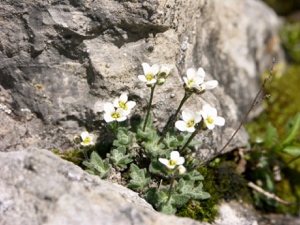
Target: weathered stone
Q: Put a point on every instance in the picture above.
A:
(37, 187)
(60, 60)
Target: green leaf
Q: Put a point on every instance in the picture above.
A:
(271, 137)
(158, 168)
(193, 175)
(139, 178)
(152, 149)
(186, 188)
(293, 132)
(167, 208)
(119, 158)
(151, 196)
(170, 141)
(97, 166)
(179, 200)
(124, 138)
(291, 150)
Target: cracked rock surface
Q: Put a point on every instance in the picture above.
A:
(60, 61)
(37, 187)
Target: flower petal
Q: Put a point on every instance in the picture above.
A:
(187, 115)
(190, 129)
(142, 78)
(170, 166)
(174, 155)
(155, 69)
(116, 102)
(108, 118)
(210, 111)
(219, 121)
(210, 84)
(153, 81)
(130, 104)
(180, 125)
(197, 117)
(164, 161)
(190, 73)
(185, 80)
(146, 68)
(180, 161)
(201, 73)
(108, 107)
(122, 118)
(123, 97)
(210, 126)
(198, 80)
(84, 135)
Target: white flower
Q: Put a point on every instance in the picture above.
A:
(150, 72)
(195, 79)
(112, 114)
(181, 169)
(175, 160)
(87, 139)
(164, 71)
(123, 103)
(209, 115)
(190, 119)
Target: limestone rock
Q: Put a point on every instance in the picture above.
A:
(62, 60)
(37, 187)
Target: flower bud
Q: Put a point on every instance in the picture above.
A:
(161, 81)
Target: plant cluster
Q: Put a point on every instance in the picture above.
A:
(270, 157)
(161, 167)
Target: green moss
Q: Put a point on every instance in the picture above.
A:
(76, 156)
(222, 182)
(289, 188)
(290, 38)
(283, 103)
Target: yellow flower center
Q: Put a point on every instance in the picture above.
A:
(115, 115)
(149, 77)
(122, 105)
(209, 120)
(172, 162)
(190, 81)
(86, 141)
(190, 123)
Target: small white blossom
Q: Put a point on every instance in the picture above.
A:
(163, 74)
(181, 169)
(123, 103)
(112, 114)
(190, 119)
(87, 139)
(150, 73)
(175, 160)
(209, 115)
(164, 71)
(195, 79)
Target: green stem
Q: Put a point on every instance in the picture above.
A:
(149, 107)
(173, 117)
(170, 190)
(189, 140)
(115, 127)
(84, 150)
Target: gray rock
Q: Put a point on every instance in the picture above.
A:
(62, 60)
(37, 187)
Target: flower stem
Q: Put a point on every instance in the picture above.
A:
(149, 107)
(170, 190)
(173, 117)
(189, 140)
